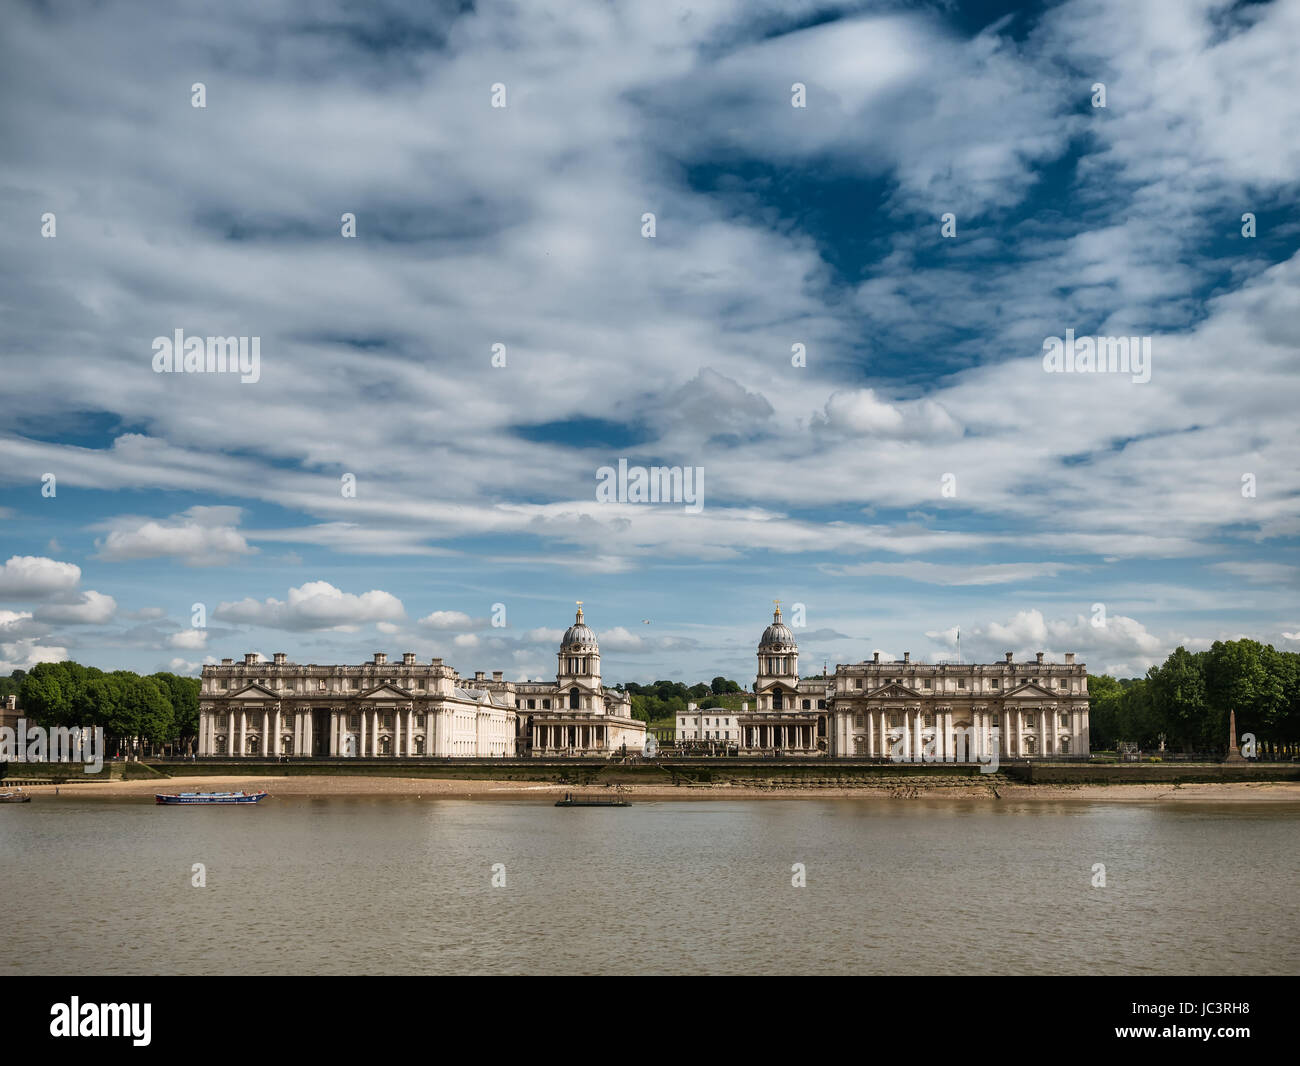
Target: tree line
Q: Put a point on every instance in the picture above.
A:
(138, 713)
(1188, 697)
(663, 699)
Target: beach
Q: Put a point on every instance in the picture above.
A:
(975, 791)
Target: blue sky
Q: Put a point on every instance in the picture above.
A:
(920, 474)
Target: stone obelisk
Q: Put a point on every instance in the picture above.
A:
(1234, 752)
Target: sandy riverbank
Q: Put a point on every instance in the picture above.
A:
(1269, 792)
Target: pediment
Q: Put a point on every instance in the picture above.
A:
(386, 692)
(894, 691)
(1031, 690)
(253, 692)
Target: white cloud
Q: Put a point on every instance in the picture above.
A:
(201, 536)
(954, 573)
(24, 654)
(315, 605)
(93, 608)
(189, 638)
(34, 577)
(447, 620)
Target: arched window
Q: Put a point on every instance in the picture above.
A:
(778, 702)
(574, 703)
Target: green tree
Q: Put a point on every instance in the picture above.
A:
(1179, 699)
(183, 695)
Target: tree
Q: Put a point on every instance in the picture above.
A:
(1179, 699)
(1245, 676)
(183, 695)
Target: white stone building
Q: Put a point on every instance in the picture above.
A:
(376, 710)
(576, 715)
(790, 714)
(1019, 710)
(709, 724)
(407, 709)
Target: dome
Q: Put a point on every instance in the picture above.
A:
(777, 635)
(578, 634)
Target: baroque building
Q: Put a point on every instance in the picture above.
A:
(377, 709)
(576, 715)
(790, 715)
(959, 711)
(408, 709)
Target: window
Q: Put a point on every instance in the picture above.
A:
(857, 683)
(321, 686)
(532, 705)
(546, 705)
(961, 682)
(994, 682)
(928, 683)
(807, 705)
(858, 721)
(1065, 721)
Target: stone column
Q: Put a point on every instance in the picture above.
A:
(1043, 746)
(410, 732)
(266, 723)
(361, 739)
(275, 733)
(374, 732)
(243, 731)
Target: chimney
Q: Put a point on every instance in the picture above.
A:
(498, 675)
(280, 658)
(479, 675)
(691, 707)
(380, 658)
(1069, 658)
(1040, 656)
(11, 702)
(250, 657)
(436, 662)
(408, 658)
(907, 656)
(227, 662)
(744, 706)
(875, 657)
(1008, 656)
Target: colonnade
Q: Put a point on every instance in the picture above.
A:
(1019, 733)
(785, 736)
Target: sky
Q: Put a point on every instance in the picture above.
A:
(836, 315)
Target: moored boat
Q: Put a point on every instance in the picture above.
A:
(570, 800)
(15, 797)
(209, 797)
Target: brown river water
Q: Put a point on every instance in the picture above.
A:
(400, 885)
